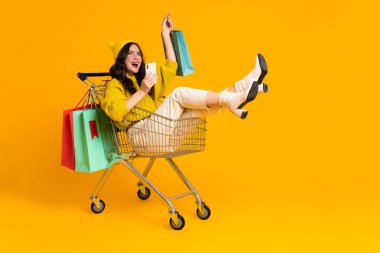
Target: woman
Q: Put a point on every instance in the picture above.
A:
(130, 87)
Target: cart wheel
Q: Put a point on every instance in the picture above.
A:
(142, 195)
(206, 213)
(97, 210)
(180, 225)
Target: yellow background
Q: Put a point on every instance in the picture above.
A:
(300, 174)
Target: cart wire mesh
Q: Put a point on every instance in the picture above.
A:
(153, 136)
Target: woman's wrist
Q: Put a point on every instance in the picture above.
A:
(166, 34)
(142, 92)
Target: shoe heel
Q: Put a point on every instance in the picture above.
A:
(265, 88)
(240, 113)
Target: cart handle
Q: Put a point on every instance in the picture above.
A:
(83, 76)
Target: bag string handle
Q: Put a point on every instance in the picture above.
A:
(88, 99)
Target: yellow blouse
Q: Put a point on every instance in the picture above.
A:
(115, 97)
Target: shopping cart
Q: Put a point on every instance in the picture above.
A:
(154, 137)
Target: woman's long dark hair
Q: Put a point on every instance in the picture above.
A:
(119, 70)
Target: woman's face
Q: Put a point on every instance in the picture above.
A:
(133, 60)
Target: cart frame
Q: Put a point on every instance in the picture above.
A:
(190, 139)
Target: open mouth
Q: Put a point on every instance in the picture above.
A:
(135, 64)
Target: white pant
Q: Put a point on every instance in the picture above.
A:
(158, 135)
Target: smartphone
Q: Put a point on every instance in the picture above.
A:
(151, 68)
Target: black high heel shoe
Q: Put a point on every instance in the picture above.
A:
(251, 94)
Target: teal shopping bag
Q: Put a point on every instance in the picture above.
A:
(89, 144)
(185, 67)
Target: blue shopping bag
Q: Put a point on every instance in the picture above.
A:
(185, 67)
(89, 144)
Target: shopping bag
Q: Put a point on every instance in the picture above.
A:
(67, 156)
(89, 146)
(67, 152)
(185, 67)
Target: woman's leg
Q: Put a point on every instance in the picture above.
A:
(183, 98)
(180, 99)
(165, 134)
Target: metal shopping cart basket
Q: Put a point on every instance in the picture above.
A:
(154, 137)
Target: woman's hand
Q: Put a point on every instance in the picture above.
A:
(148, 82)
(167, 25)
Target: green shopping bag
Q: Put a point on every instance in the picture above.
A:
(89, 144)
(185, 67)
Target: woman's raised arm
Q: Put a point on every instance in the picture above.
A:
(167, 26)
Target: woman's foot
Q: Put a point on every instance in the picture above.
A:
(233, 102)
(257, 74)
(251, 94)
